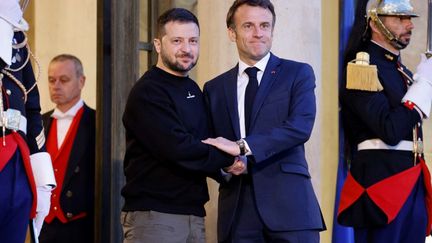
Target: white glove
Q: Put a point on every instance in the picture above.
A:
(420, 92)
(10, 10)
(45, 182)
(43, 206)
(6, 36)
(424, 69)
(11, 17)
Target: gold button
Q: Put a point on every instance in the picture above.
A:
(54, 195)
(68, 194)
(55, 208)
(69, 215)
(77, 169)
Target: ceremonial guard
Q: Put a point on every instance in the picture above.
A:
(386, 196)
(26, 175)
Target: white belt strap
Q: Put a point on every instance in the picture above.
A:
(23, 124)
(376, 143)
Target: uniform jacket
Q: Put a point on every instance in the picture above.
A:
(77, 194)
(15, 97)
(283, 115)
(370, 115)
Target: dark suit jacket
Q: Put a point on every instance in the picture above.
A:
(77, 194)
(283, 115)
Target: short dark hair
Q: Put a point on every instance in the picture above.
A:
(76, 61)
(174, 14)
(266, 4)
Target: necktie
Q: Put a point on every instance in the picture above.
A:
(251, 90)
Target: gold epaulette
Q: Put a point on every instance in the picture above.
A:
(361, 75)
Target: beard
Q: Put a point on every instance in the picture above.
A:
(402, 42)
(176, 65)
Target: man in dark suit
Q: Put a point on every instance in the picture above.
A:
(267, 105)
(70, 129)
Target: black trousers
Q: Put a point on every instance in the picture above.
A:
(249, 228)
(76, 231)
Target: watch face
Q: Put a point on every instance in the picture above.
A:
(242, 146)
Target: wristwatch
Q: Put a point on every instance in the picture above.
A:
(242, 147)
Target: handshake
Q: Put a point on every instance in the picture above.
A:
(237, 168)
(230, 147)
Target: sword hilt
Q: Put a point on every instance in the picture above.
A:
(428, 55)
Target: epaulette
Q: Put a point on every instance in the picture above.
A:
(361, 75)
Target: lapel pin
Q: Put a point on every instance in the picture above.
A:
(190, 96)
(389, 57)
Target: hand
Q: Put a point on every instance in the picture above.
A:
(420, 92)
(237, 168)
(43, 206)
(223, 144)
(424, 68)
(6, 37)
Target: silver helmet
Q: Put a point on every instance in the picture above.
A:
(376, 8)
(390, 7)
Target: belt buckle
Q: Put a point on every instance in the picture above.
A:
(418, 147)
(11, 119)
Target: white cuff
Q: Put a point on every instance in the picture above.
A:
(42, 169)
(420, 93)
(6, 36)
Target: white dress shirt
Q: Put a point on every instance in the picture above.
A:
(242, 81)
(64, 120)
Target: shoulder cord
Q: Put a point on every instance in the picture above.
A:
(17, 82)
(11, 76)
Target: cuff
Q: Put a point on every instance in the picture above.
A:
(411, 106)
(42, 169)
